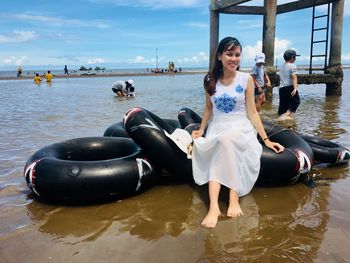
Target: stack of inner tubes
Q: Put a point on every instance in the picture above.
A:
(133, 155)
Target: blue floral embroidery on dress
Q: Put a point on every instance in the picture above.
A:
(225, 103)
(239, 89)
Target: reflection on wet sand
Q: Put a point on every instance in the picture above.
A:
(149, 216)
(279, 224)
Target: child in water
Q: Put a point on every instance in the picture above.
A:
(260, 79)
(37, 78)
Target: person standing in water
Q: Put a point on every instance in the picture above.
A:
(48, 76)
(66, 70)
(230, 153)
(19, 71)
(37, 79)
(260, 79)
(288, 91)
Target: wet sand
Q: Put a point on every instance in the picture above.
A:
(282, 224)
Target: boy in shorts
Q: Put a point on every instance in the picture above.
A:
(261, 79)
(288, 90)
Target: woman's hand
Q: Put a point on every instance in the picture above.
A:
(276, 147)
(198, 133)
(294, 92)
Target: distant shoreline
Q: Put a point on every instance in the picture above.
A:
(129, 74)
(104, 75)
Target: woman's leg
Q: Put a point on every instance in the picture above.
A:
(234, 209)
(214, 211)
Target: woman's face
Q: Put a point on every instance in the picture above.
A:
(231, 58)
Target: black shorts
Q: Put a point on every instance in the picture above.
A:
(287, 101)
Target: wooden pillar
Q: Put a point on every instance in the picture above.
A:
(214, 36)
(335, 48)
(270, 9)
(336, 32)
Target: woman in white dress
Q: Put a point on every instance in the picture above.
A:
(230, 153)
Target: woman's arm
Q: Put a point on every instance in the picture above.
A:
(208, 111)
(255, 118)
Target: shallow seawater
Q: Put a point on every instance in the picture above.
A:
(281, 224)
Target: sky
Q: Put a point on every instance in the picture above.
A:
(141, 33)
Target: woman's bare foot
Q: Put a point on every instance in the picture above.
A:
(234, 210)
(211, 219)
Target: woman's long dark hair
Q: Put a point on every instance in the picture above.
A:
(209, 82)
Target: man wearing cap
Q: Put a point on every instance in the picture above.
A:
(288, 91)
(261, 79)
(124, 88)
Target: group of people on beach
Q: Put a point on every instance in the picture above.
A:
(228, 153)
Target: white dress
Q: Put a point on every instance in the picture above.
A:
(230, 152)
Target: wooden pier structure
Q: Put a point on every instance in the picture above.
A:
(333, 72)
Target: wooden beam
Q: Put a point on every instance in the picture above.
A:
(231, 6)
(216, 5)
(243, 10)
(301, 4)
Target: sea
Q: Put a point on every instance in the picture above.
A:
(31, 71)
(295, 223)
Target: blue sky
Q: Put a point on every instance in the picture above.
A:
(129, 33)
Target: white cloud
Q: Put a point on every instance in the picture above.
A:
(18, 36)
(58, 21)
(197, 25)
(12, 60)
(96, 61)
(249, 52)
(155, 4)
(247, 24)
(143, 60)
(200, 58)
(347, 8)
(281, 45)
(346, 56)
(140, 59)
